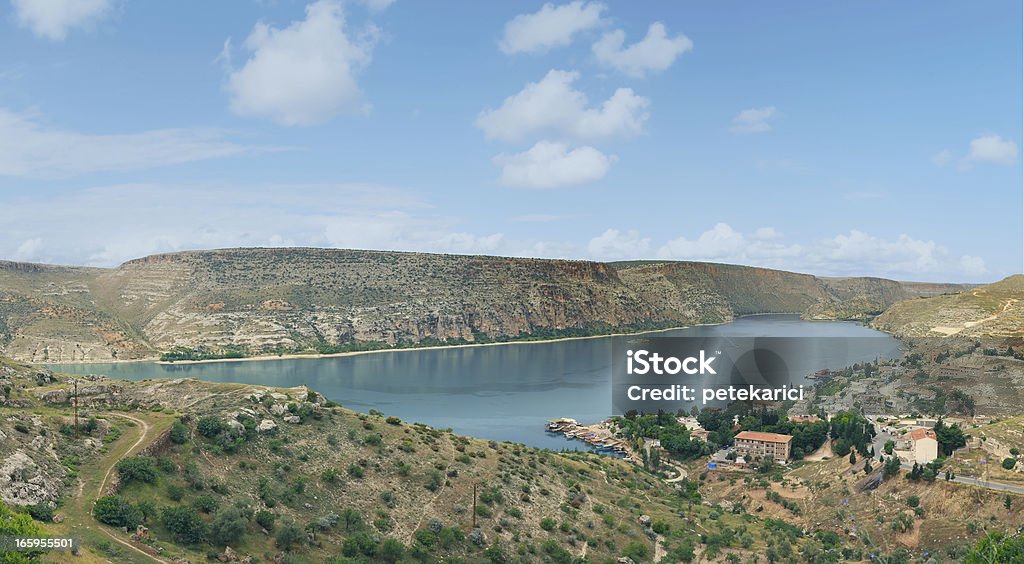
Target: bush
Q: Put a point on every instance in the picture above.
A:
(547, 524)
(205, 503)
(391, 551)
(265, 519)
(179, 433)
(184, 524)
(356, 471)
(114, 510)
(211, 426)
(228, 526)
(913, 501)
(175, 492)
(1009, 463)
(137, 469)
(288, 535)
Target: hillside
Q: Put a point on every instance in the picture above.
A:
(994, 310)
(176, 470)
(725, 290)
(253, 301)
(284, 475)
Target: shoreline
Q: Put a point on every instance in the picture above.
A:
(313, 356)
(299, 356)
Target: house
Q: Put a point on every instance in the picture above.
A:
(804, 418)
(920, 445)
(756, 443)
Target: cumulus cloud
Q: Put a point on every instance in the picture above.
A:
(553, 106)
(32, 150)
(654, 53)
(548, 164)
(992, 149)
(52, 19)
(551, 26)
(303, 74)
(854, 253)
(617, 245)
(754, 120)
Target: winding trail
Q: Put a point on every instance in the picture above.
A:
(80, 507)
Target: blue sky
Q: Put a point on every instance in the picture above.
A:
(834, 138)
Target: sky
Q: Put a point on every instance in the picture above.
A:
(828, 137)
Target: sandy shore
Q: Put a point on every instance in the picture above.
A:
(295, 356)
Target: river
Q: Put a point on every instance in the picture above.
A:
(503, 392)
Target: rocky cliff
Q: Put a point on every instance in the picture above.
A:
(261, 300)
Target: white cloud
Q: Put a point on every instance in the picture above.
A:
(942, 158)
(854, 253)
(552, 106)
(618, 245)
(52, 19)
(992, 149)
(30, 149)
(303, 74)
(29, 250)
(548, 164)
(754, 120)
(654, 53)
(551, 26)
(377, 5)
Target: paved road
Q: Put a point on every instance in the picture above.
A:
(971, 481)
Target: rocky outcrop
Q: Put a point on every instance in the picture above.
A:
(25, 482)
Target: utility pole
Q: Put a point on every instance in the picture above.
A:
(474, 505)
(76, 407)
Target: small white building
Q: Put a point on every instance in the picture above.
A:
(920, 446)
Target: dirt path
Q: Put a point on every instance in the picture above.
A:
(79, 508)
(430, 504)
(141, 439)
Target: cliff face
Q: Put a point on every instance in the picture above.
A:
(265, 299)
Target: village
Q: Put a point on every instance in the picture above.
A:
(897, 399)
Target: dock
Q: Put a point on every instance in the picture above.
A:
(598, 436)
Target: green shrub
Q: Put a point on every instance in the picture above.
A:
(548, 524)
(184, 524)
(114, 510)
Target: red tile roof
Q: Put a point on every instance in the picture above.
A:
(918, 434)
(764, 437)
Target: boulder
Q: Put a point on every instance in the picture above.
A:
(278, 409)
(266, 426)
(293, 419)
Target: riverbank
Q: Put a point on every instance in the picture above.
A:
(312, 355)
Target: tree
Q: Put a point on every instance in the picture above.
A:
(949, 437)
(114, 510)
(184, 524)
(889, 445)
(391, 550)
(14, 524)
(891, 467)
(853, 457)
(179, 433)
(228, 526)
(1009, 463)
(137, 469)
(996, 547)
(288, 535)
(211, 426)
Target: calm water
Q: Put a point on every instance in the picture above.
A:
(502, 392)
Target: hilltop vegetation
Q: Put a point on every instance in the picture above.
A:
(993, 310)
(242, 302)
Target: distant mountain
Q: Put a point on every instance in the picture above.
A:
(993, 310)
(253, 301)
